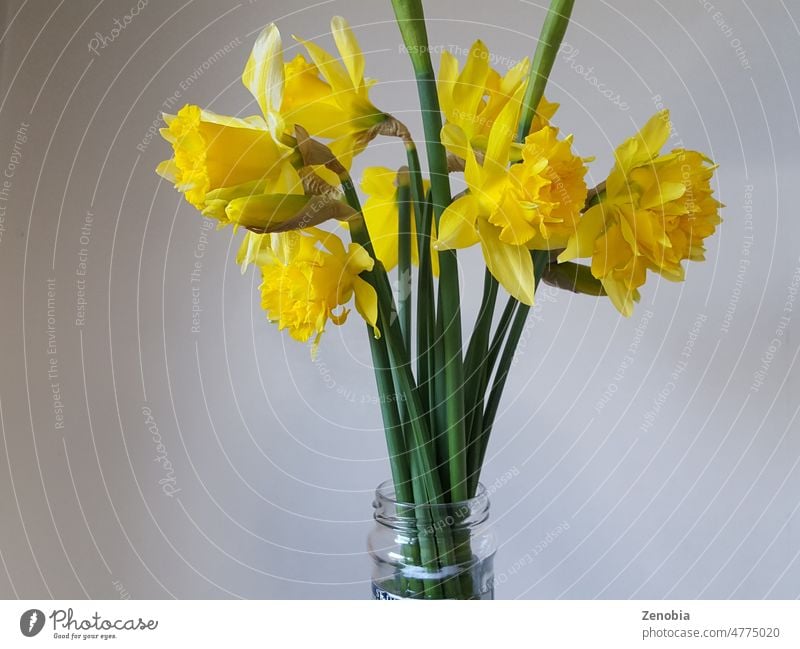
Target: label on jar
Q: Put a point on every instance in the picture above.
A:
(380, 593)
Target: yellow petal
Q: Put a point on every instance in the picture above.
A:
(168, 170)
(349, 50)
(379, 181)
(655, 133)
(366, 303)
(454, 140)
(358, 259)
(646, 144)
(473, 172)
(448, 74)
(514, 76)
(281, 212)
(330, 68)
(471, 85)
(381, 216)
(503, 130)
(167, 135)
(264, 75)
(581, 244)
(662, 193)
(256, 249)
(512, 266)
(457, 225)
(620, 296)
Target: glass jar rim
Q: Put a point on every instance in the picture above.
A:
(465, 514)
(385, 493)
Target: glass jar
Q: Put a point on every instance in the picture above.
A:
(431, 551)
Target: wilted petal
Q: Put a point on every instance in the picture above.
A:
(282, 212)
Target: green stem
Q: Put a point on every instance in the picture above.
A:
(476, 446)
(411, 20)
(426, 310)
(500, 333)
(398, 454)
(404, 256)
(426, 486)
(398, 354)
(540, 260)
(475, 363)
(553, 30)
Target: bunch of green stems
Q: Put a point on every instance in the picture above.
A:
(439, 402)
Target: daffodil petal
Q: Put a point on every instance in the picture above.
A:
(503, 130)
(457, 225)
(378, 181)
(661, 194)
(448, 74)
(256, 249)
(358, 259)
(469, 89)
(282, 212)
(349, 50)
(655, 133)
(381, 215)
(455, 140)
(581, 244)
(333, 71)
(168, 170)
(621, 297)
(264, 74)
(366, 303)
(512, 266)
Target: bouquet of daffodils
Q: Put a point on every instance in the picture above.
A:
(283, 176)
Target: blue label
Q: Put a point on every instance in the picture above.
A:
(380, 593)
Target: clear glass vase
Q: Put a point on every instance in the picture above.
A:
(431, 551)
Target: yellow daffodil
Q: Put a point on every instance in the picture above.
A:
(337, 106)
(329, 98)
(656, 212)
(242, 171)
(308, 279)
(213, 152)
(381, 213)
(472, 99)
(534, 204)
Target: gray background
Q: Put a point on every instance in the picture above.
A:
(274, 455)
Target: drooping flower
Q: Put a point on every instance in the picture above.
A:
(534, 204)
(656, 212)
(217, 159)
(213, 152)
(249, 171)
(381, 213)
(308, 279)
(473, 98)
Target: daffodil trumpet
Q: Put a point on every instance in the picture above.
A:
(283, 177)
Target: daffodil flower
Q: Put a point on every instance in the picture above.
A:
(219, 158)
(534, 204)
(472, 99)
(656, 212)
(329, 98)
(213, 152)
(308, 279)
(241, 170)
(381, 213)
